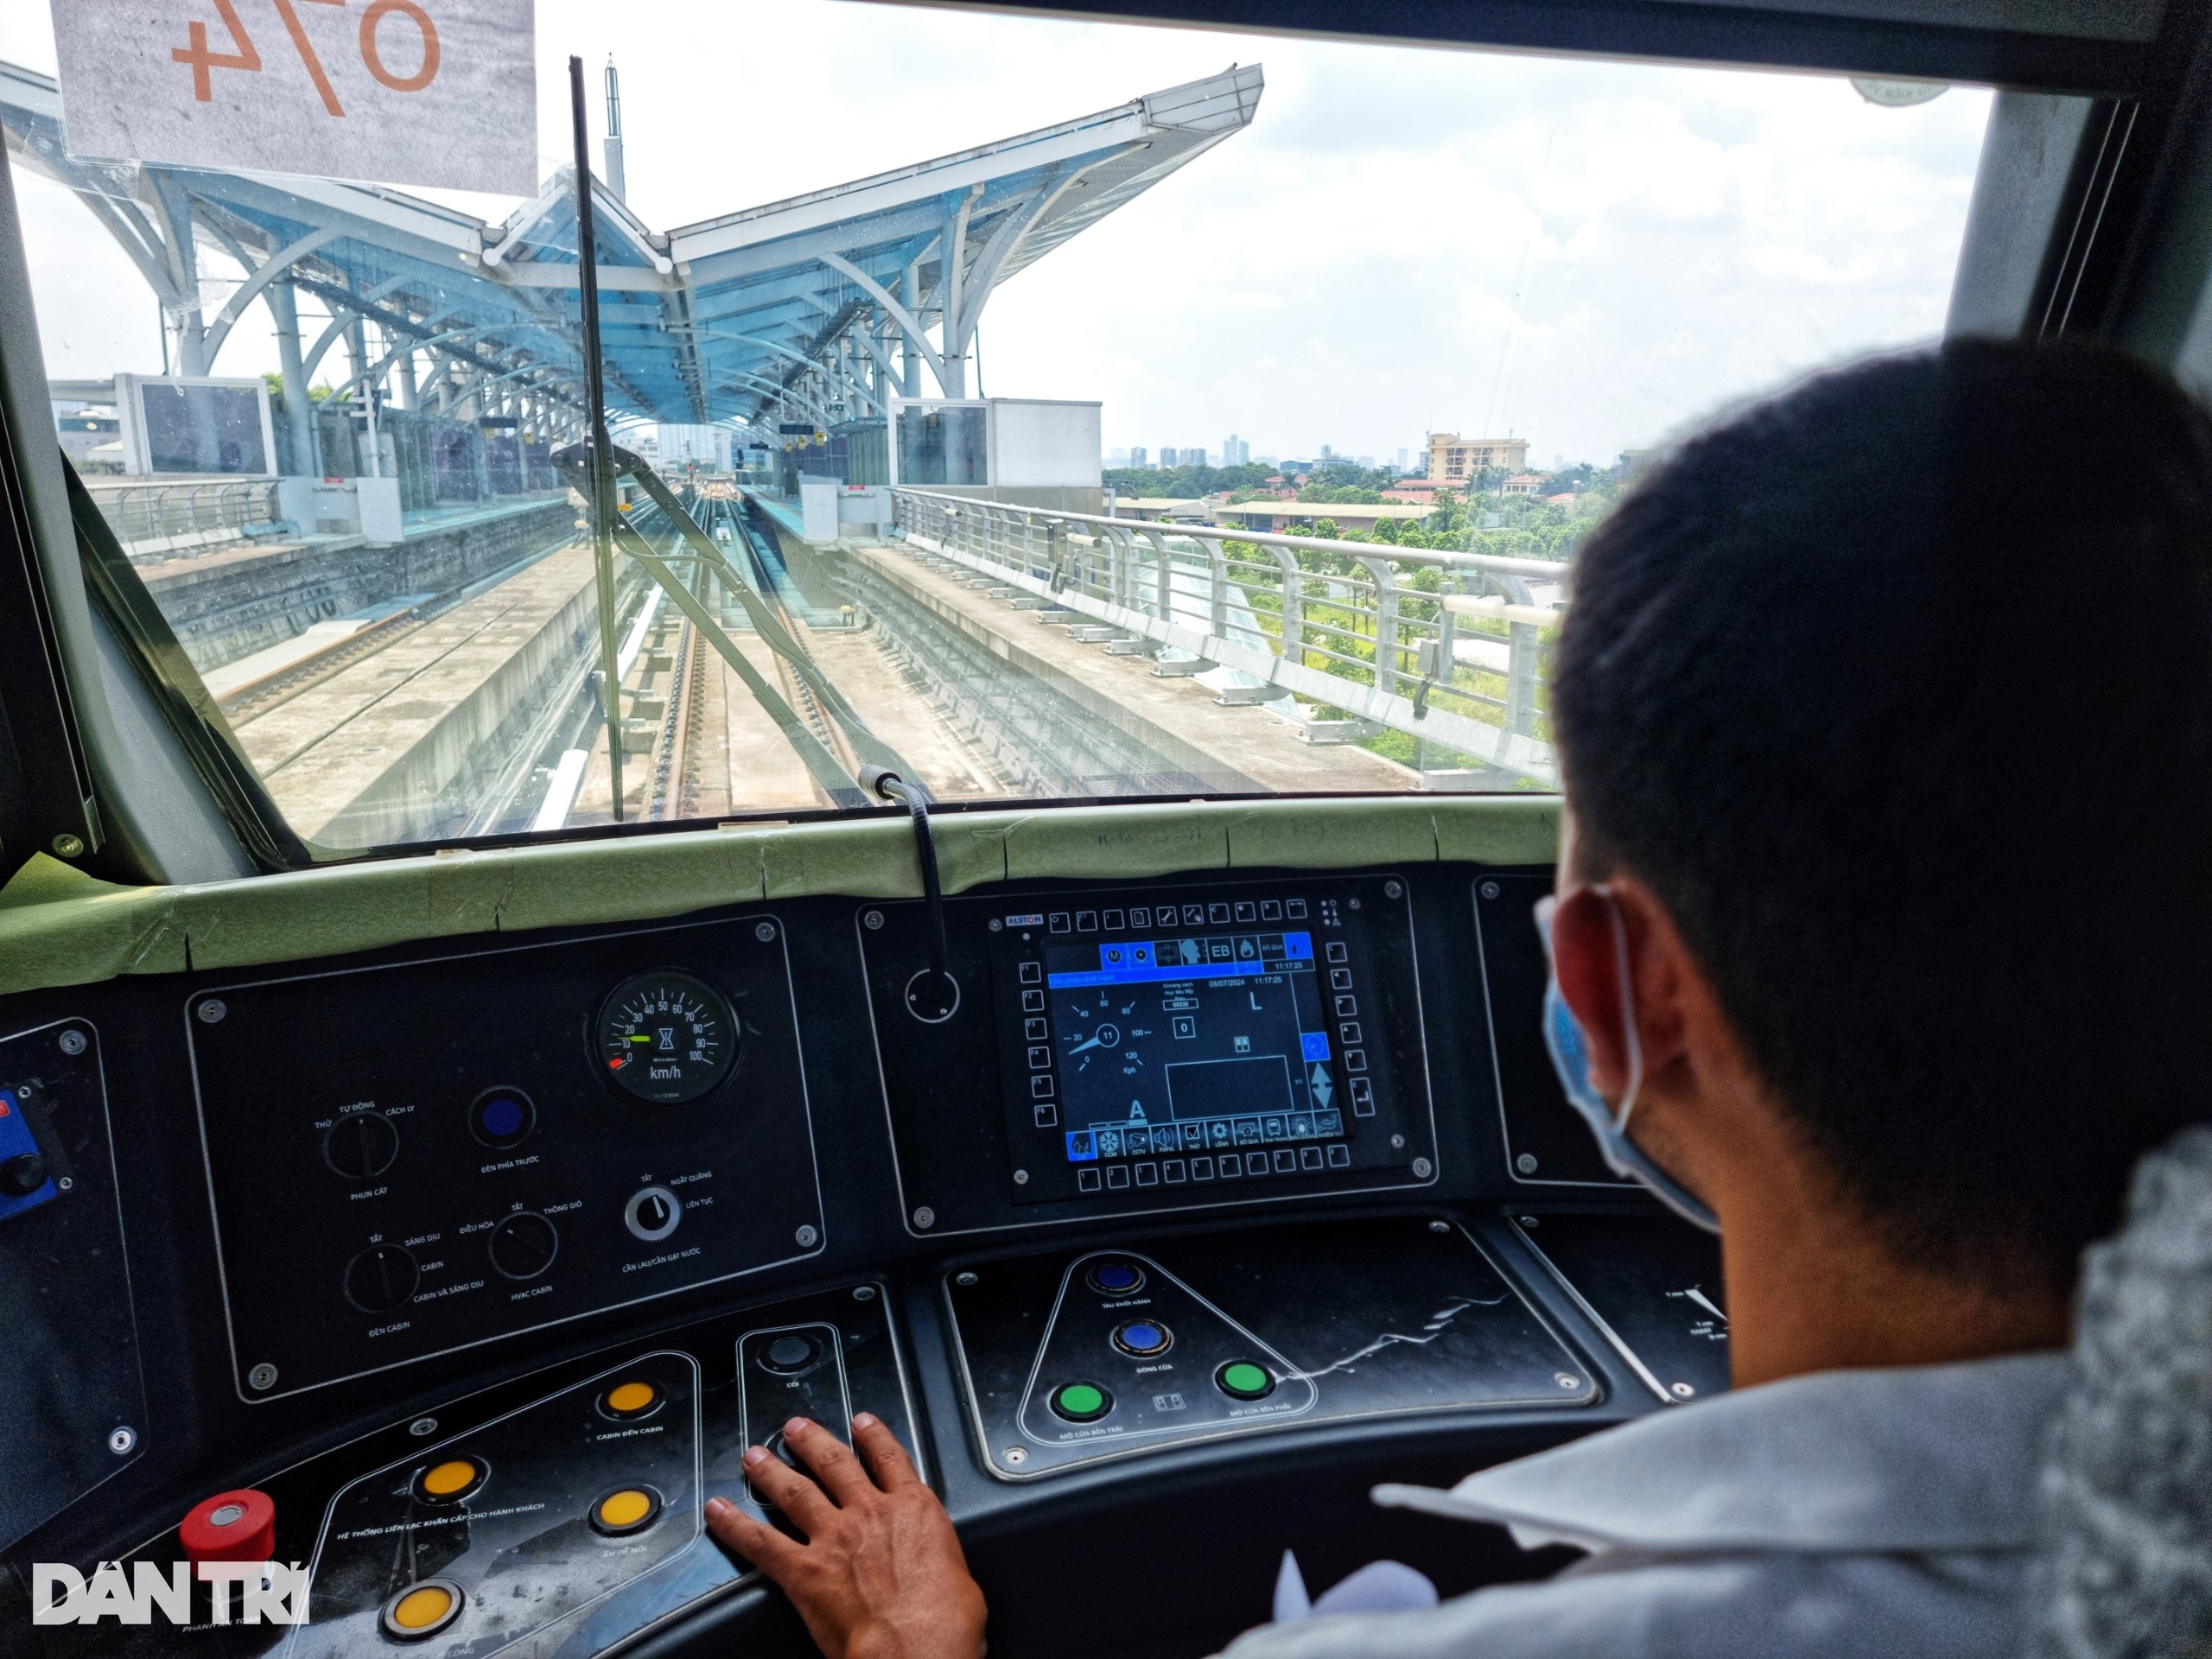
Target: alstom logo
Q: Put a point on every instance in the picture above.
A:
(239, 1592)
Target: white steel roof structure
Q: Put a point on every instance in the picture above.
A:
(818, 307)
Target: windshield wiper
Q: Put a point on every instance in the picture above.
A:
(842, 787)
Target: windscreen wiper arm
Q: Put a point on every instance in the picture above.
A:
(872, 750)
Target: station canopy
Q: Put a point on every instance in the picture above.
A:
(773, 310)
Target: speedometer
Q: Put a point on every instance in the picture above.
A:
(665, 1037)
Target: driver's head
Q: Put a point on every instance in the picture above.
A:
(1896, 692)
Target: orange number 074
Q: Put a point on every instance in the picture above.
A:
(204, 59)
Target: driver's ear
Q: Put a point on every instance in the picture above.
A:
(1586, 939)
(1583, 940)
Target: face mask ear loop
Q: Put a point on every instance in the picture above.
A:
(1629, 1034)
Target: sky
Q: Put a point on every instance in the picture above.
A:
(1593, 256)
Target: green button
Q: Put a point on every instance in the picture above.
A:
(1082, 1403)
(1245, 1380)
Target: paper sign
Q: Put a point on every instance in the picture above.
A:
(403, 91)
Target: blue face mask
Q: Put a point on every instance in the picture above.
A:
(1570, 1051)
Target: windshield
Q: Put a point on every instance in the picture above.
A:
(1038, 409)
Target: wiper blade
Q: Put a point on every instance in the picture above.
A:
(767, 621)
(841, 785)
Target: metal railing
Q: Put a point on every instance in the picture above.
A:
(167, 520)
(1350, 638)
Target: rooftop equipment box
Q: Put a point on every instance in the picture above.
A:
(1025, 451)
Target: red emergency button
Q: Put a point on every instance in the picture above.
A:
(238, 1526)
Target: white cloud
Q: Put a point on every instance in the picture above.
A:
(1592, 254)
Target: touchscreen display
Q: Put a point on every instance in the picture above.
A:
(1191, 1043)
(1198, 1039)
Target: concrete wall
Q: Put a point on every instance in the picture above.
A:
(229, 604)
(426, 792)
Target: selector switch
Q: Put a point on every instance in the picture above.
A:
(381, 1278)
(523, 1245)
(23, 1175)
(652, 1213)
(361, 1146)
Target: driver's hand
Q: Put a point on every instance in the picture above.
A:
(881, 1575)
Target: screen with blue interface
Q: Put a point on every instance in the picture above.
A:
(1191, 1043)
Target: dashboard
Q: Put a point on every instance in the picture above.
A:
(478, 1261)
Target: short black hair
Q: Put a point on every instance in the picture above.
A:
(1896, 689)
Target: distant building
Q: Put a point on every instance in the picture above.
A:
(1138, 456)
(1118, 458)
(673, 448)
(1279, 516)
(1171, 458)
(1402, 461)
(1236, 451)
(1423, 490)
(1520, 484)
(1454, 460)
(1194, 457)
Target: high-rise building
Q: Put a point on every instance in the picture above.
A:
(1236, 451)
(1118, 458)
(1194, 457)
(1402, 461)
(1171, 458)
(1138, 456)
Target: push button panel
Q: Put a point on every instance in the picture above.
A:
(1072, 1358)
(787, 1371)
(470, 1544)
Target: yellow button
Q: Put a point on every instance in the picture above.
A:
(625, 1509)
(631, 1397)
(419, 1609)
(449, 1478)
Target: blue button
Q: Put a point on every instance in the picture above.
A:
(1142, 1338)
(1080, 1146)
(1116, 1276)
(503, 1116)
(1315, 1045)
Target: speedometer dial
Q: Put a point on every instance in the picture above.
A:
(666, 1037)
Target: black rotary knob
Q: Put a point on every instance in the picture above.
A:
(381, 1278)
(361, 1145)
(23, 1175)
(523, 1245)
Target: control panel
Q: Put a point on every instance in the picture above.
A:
(1177, 1047)
(71, 1364)
(407, 1159)
(1070, 1359)
(1651, 1284)
(551, 1515)
(1546, 1143)
(468, 1544)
